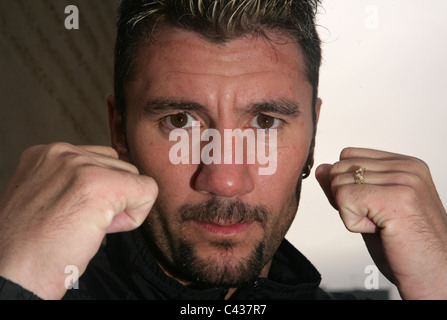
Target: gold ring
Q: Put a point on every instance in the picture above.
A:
(359, 178)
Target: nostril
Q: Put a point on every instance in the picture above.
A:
(223, 180)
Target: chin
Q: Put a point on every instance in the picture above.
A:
(222, 267)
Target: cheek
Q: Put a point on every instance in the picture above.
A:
(279, 188)
(150, 154)
(293, 154)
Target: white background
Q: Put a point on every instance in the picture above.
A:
(383, 85)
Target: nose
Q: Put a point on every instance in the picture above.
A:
(224, 180)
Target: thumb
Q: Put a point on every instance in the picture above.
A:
(322, 173)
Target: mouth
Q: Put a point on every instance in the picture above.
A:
(217, 219)
(224, 229)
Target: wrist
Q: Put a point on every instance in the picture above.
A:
(12, 291)
(45, 285)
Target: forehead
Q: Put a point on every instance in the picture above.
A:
(182, 51)
(183, 64)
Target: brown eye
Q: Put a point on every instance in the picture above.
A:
(265, 122)
(179, 120)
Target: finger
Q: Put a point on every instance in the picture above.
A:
(376, 178)
(373, 165)
(363, 207)
(139, 195)
(100, 150)
(349, 153)
(107, 157)
(116, 164)
(322, 173)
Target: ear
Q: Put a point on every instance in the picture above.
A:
(310, 158)
(318, 105)
(117, 129)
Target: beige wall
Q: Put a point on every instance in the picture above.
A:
(53, 81)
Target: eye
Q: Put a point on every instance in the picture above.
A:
(263, 121)
(179, 120)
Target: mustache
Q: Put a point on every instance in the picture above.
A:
(228, 212)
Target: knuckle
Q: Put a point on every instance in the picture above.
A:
(337, 180)
(30, 152)
(347, 153)
(44, 155)
(422, 164)
(337, 168)
(59, 148)
(422, 168)
(417, 167)
(59, 151)
(104, 150)
(112, 152)
(406, 179)
(130, 167)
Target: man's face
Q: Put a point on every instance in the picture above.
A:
(218, 224)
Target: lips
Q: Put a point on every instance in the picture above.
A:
(224, 229)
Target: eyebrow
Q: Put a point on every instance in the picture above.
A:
(165, 105)
(282, 107)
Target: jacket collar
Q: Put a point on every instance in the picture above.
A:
(291, 275)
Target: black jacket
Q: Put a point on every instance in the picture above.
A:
(125, 269)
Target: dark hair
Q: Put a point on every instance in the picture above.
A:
(218, 21)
